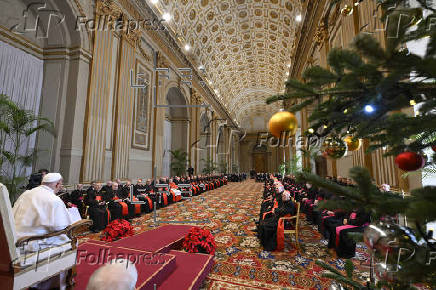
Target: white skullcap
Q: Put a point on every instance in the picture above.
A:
(51, 177)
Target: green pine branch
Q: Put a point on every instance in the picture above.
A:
(332, 273)
(390, 79)
(368, 74)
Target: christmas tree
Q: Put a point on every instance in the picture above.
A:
(366, 92)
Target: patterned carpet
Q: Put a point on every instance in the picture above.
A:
(240, 262)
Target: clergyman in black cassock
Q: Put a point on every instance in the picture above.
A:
(267, 229)
(114, 207)
(97, 210)
(77, 199)
(124, 195)
(142, 192)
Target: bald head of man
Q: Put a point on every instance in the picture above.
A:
(120, 274)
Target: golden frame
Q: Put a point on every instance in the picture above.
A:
(141, 68)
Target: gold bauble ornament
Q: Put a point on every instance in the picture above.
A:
(283, 122)
(334, 147)
(352, 144)
(347, 10)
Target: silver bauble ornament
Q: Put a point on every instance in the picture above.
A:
(335, 286)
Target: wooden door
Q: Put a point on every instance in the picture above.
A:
(259, 161)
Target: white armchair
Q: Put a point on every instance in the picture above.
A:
(19, 269)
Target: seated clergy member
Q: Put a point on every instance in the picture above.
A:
(142, 192)
(335, 227)
(124, 195)
(110, 196)
(97, 209)
(267, 229)
(40, 211)
(76, 198)
(174, 190)
(153, 193)
(345, 244)
(164, 198)
(107, 186)
(134, 209)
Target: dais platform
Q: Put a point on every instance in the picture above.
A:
(156, 254)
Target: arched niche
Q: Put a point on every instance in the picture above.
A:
(176, 127)
(65, 53)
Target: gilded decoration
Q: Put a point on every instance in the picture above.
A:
(196, 99)
(133, 37)
(321, 34)
(142, 121)
(108, 7)
(144, 54)
(244, 46)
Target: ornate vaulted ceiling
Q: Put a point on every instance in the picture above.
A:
(244, 47)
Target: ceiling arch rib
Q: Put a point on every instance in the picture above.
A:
(244, 46)
(249, 94)
(257, 108)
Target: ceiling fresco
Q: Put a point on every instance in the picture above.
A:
(243, 47)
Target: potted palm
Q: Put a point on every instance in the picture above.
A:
(179, 160)
(17, 125)
(222, 166)
(209, 166)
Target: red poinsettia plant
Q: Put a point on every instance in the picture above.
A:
(199, 241)
(116, 230)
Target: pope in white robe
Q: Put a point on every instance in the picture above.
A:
(40, 211)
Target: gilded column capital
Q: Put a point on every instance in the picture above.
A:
(162, 61)
(132, 36)
(146, 56)
(196, 99)
(109, 7)
(321, 34)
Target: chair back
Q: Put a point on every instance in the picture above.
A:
(297, 220)
(8, 235)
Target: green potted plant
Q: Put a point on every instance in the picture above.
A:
(16, 125)
(179, 160)
(209, 166)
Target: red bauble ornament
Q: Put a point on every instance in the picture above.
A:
(409, 161)
(434, 148)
